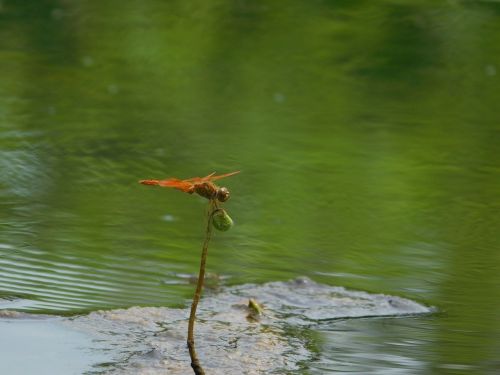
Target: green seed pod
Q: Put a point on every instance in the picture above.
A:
(221, 220)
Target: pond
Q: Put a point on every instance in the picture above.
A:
(367, 135)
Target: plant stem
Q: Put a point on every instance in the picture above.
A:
(195, 363)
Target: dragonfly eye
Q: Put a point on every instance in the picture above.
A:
(223, 194)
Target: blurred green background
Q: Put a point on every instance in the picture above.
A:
(367, 134)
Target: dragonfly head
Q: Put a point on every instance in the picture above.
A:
(222, 194)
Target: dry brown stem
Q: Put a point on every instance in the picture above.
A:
(195, 363)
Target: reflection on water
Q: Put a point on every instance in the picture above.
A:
(42, 346)
(367, 136)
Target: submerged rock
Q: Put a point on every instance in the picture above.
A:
(152, 340)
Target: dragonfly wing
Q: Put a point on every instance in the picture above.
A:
(171, 182)
(197, 180)
(188, 184)
(175, 183)
(213, 178)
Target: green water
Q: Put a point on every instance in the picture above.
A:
(367, 134)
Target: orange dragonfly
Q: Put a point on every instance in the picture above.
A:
(202, 186)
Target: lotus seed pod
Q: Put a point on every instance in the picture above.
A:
(221, 220)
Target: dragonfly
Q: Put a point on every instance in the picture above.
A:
(203, 186)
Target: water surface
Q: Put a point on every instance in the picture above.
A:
(367, 136)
